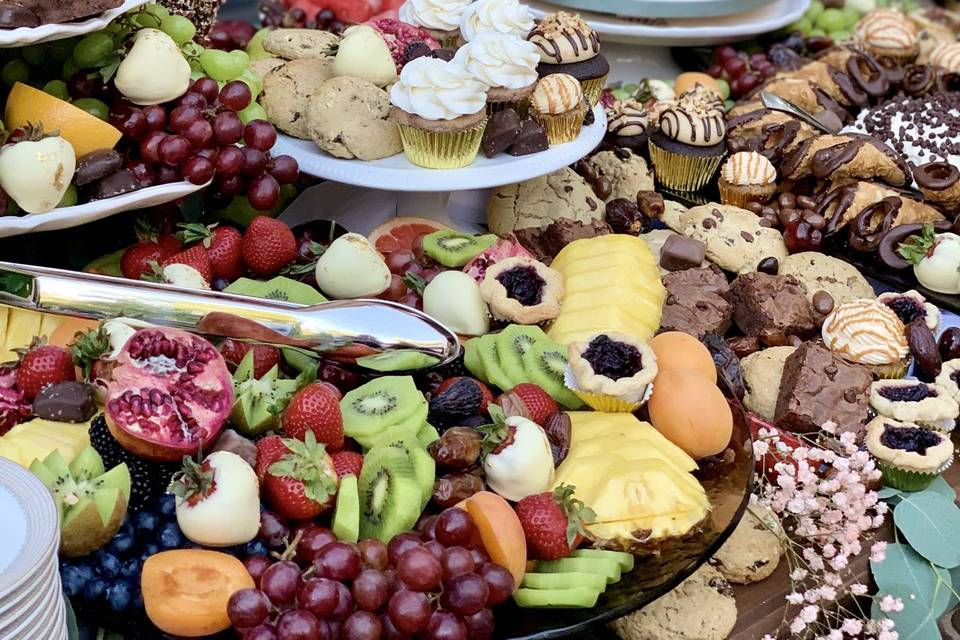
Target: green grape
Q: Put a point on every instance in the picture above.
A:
(157, 10)
(816, 8)
(69, 198)
(15, 71)
(728, 104)
(92, 49)
(70, 69)
(33, 55)
(253, 112)
(838, 36)
(851, 16)
(94, 107)
(61, 50)
(817, 33)
(724, 88)
(191, 49)
(178, 28)
(57, 88)
(831, 20)
(252, 80)
(255, 47)
(803, 25)
(621, 94)
(223, 66)
(146, 20)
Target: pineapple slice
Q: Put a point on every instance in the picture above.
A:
(38, 438)
(18, 328)
(583, 467)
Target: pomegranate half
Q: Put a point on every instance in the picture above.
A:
(170, 394)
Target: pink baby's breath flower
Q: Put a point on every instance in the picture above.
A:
(878, 551)
(794, 598)
(888, 635)
(797, 626)
(852, 627)
(889, 604)
(858, 589)
(760, 448)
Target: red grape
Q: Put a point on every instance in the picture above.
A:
(420, 569)
(131, 123)
(735, 66)
(297, 624)
(156, 117)
(435, 548)
(389, 631)
(259, 134)
(81, 85)
(254, 162)
(747, 83)
(361, 625)
(227, 128)
(479, 556)
(480, 625)
(199, 133)
(412, 300)
(193, 100)
(241, 31)
(428, 524)
(280, 582)
(263, 193)
(456, 527)
(284, 168)
(409, 611)
(256, 565)
(230, 161)
(210, 153)
(370, 590)
(373, 554)
(207, 87)
(235, 95)
(724, 53)
(142, 171)
(398, 260)
(182, 116)
(715, 71)
(337, 560)
(166, 175)
(465, 594)
(758, 59)
(456, 561)
(396, 290)
(148, 146)
(265, 631)
(499, 581)
(319, 596)
(231, 185)
(198, 170)
(272, 530)
(344, 603)
(248, 607)
(444, 625)
(418, 252)
(218, 38)
(173, 150)
(313, 539)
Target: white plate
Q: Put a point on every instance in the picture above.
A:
(665, 8)
(48, 32)
(688, 32)
(68, 217)
(399, 174)
(30, 523)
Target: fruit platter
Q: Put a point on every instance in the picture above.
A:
(695, 376)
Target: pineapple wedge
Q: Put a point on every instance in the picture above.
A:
(38, 438)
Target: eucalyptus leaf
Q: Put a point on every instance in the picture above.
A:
(930, 523)
(913, 623)
(888, 492)
(906, 574)
(942, 487)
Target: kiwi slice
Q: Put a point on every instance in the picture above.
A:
(424, 466)
(428, 434)
(624, 559)
(545, 363)
(471, 358)
(371, 408)
(389, 494)
(564, 581)
(399, 360)
(412, 424)
(575, 598)
(346, 515)
(278, 288)
(607, 567)
(490, 360)
(454, 248)
(512, 343)
(257, 404)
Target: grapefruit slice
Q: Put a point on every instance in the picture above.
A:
(85, 132)
(398, 234)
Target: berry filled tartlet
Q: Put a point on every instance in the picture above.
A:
(922, 403)
(611, 371)
(909, 456)
(522, 290)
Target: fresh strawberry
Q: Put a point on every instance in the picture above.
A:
(169, 244)
(265, 356)
(314, 409)
(196, 257)
(298, 479)
(553, 523)
(347, 463)
(530, 401)
(222, 245)
(137, 261)
(41, 365)
(268, 246)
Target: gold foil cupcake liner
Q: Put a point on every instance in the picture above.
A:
(561, 127)
(441, 149)
(681, 171)
(522, 107)
(741, 195)
(601, 402)
(593, 89)
(893, 371)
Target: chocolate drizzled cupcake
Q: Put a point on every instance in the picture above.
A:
(627, 123)
(746, 177)
(558, 105)
(568, 45)
(688, 147)
(888, 34)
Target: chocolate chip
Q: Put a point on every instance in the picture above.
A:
(747, 237)
(602, 188)
(769, 223)
(788, 215)
(787, 201)
(592, 204)
(767, 212)
(716, 214)
(815, 220)
(823, 303)
(708, 223)
(850, 396)
(830, 370)
(806, 202)
(567, 188)
(769, 265)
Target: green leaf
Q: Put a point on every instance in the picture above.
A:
(905, 573)
(888, 492)
(943, 488)
(915, 248)
(930, 523)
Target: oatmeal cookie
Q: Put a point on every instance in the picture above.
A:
(627, 172)
(347, 118)
(752, 552)
(287, 90)
(820, 272)
(297, 44)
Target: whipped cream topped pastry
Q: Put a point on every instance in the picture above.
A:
(500, 60)
(748, 168)
(697, 127)
(564, 38)
(866, 332)
(436, 90)
(627, 118)
(888, 32)
(556, 94)
(436, 15)
(947, 56)
(504, 17)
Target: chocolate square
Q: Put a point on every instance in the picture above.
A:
(680, 252)
(697, 302)
(764, 304)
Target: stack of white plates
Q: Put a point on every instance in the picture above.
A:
(31, 602)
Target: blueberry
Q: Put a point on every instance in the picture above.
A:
(109, 564)
(95, 589)
(138, 601)
(167, 505)
(255, 548)
(146, 522)
(119, 596)
(72, 579)
(170, 536)
(149, 549)
(86, 571)
(121, 544)
(128, 529)
(130, 569)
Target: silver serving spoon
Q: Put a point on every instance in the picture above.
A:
(775, 102)
(341, 330)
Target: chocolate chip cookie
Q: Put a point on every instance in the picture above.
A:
(347, 118)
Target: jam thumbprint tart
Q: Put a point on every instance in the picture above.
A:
(611, 372)
(909, 456)
(911, 305)
(522, 290)
(928, 405)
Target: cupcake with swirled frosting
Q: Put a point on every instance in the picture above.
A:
(869, 333)
(499, 17)
(440, 110)
(627, 122)
(947, 56)
(746, 177)
(558, 105)
(506, 64)
(688, 145)
(440, 18)
(569, 45)
(890, 34)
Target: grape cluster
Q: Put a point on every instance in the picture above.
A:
(197, 138)
(437, 583)
(821, 21)
(275, 14)
(410, 272)
(228, 35)
(110, 578)
(744, 71)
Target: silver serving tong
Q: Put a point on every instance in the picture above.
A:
(775, 102)
(341, 330)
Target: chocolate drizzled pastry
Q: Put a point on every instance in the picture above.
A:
(845, 156)
(33, 13)
(939, 182)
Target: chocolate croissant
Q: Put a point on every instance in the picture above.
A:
(845, 156)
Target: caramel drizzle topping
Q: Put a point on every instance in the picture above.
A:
(866, 329)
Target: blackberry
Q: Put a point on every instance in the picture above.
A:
(148, 480)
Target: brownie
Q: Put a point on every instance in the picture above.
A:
(546, 242)
(818, 386)
(764, 304)
(697, 302)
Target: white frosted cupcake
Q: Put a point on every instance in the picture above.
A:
(558, 104)
(746, 177)
(441, 112)
(501, 17)
(441, 18)
(506, 64)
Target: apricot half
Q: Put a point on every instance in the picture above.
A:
(185, 592)
(500, 530)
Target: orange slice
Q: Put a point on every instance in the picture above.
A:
(85, 132)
